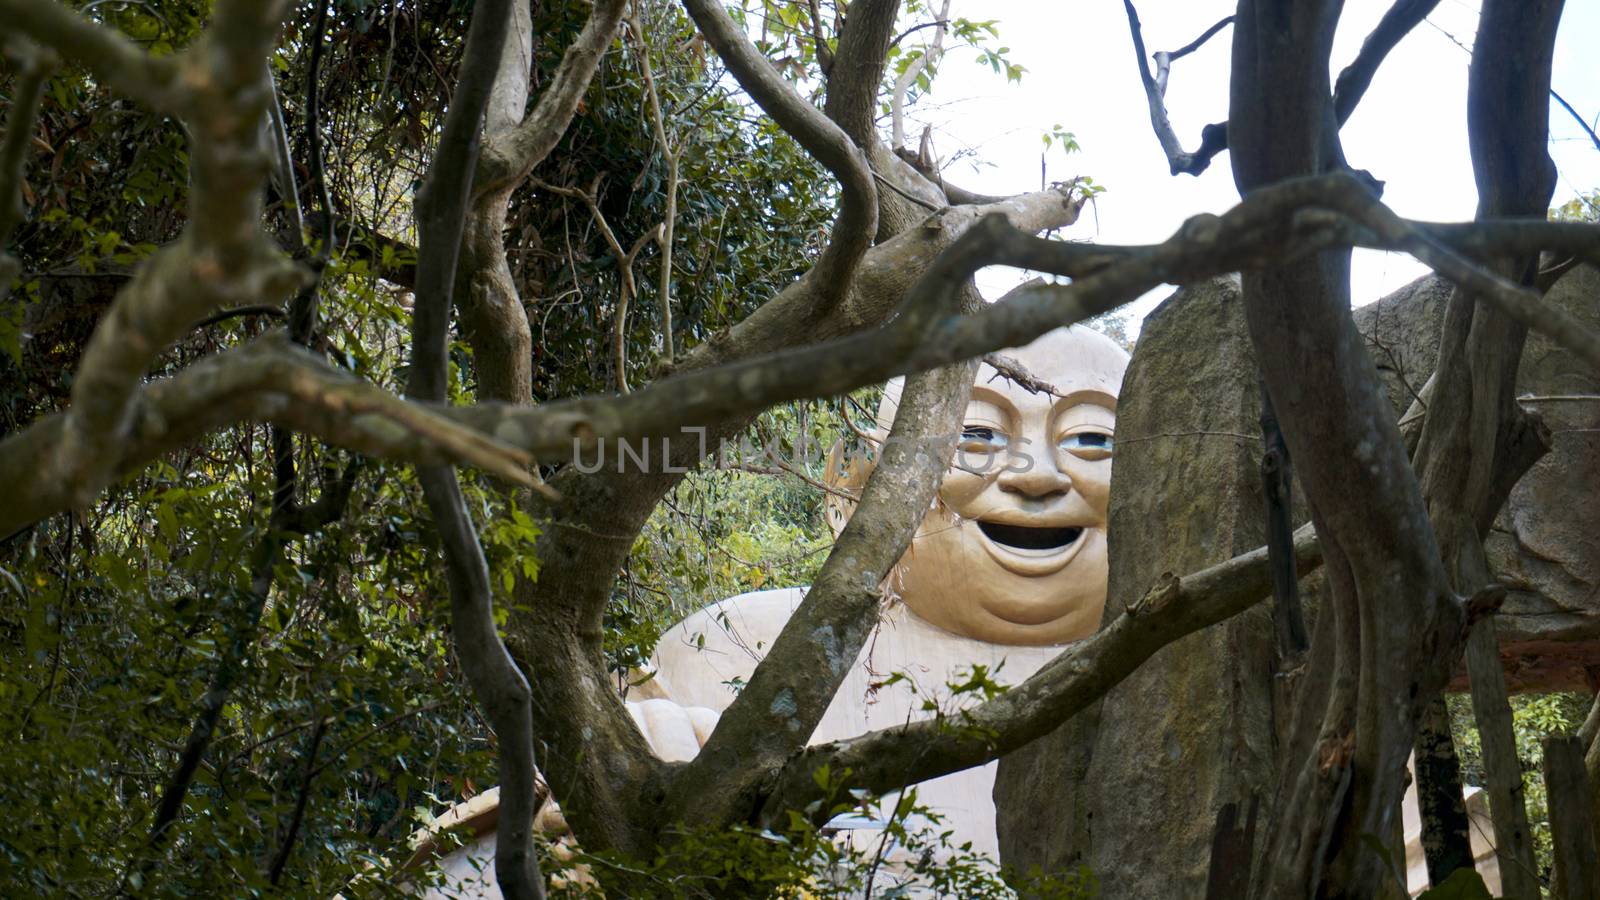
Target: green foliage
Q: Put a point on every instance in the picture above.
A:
(887, 848)
(742, 524)
(113, 627)
(1582, 208)
(1534, 717)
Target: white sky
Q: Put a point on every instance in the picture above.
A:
(1409, 131)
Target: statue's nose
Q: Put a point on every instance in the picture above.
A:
(1033, 475)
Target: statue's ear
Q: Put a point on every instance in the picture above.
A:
(845, 475)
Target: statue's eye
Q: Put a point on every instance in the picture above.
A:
(1088, 444)
(981, 439)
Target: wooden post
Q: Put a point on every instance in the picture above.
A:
(1502, 769)
(1572, 826)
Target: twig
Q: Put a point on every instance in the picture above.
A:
(1012, 370)
(1581, 123)
(627, 287)
(254, 309)
(34, 67)
(902, 85)
(1213, 138)
(282, 858)
(672, 155)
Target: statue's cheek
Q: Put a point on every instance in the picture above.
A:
(961, 490)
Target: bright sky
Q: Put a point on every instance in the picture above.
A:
(1410, 129)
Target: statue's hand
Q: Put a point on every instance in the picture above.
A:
(675, 733)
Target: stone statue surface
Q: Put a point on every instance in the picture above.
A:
(1008, 565)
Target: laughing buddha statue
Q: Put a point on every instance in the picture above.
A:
(1008, 566)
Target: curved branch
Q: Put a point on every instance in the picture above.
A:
(35, 66)
(115, 61)
(300, 391)
(930, 55)
(508, 158)
(1213, 140)
(814, 131)
(1357, 77)
(776, 712)
(1351, 85)
(498, 683)
(888, 759)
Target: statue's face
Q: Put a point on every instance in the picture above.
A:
(1014, 551)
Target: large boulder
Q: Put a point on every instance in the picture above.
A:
(1545, 544)
(1189, 734)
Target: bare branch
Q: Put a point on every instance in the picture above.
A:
(508, 158)
(1352, 84)
(1213, 139)
(1520, 303)
(441, 216)
(827, 142)
(116, 61)
(1581, 123)
(1174, 607)
(34, 67)
(776, 712)
(930, 55)
(1015, 372)
(265, 381)
(223, 258)
(1164, 59)
(671, 154)
(254, 383)
(627, 286)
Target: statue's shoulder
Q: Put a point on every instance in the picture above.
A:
(705, 659)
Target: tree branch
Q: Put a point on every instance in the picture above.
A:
(930, 55)
(627, 286)
(115, 61)
(265, 381)
(1213, 139)
(1174, 607)
(827, 142)
(1351, 85)
(508, 158)
(1015, 372)
(672, 156)
(498, 683)
(1581, 123)
(222, 256)
(34, 66)
(281, 859)
(1164, 59)
(258, 382)
(1353, 82)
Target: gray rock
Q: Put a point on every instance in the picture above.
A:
(1190, 732)
(1546, 543)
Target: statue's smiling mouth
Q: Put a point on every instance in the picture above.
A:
(1022, 537)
